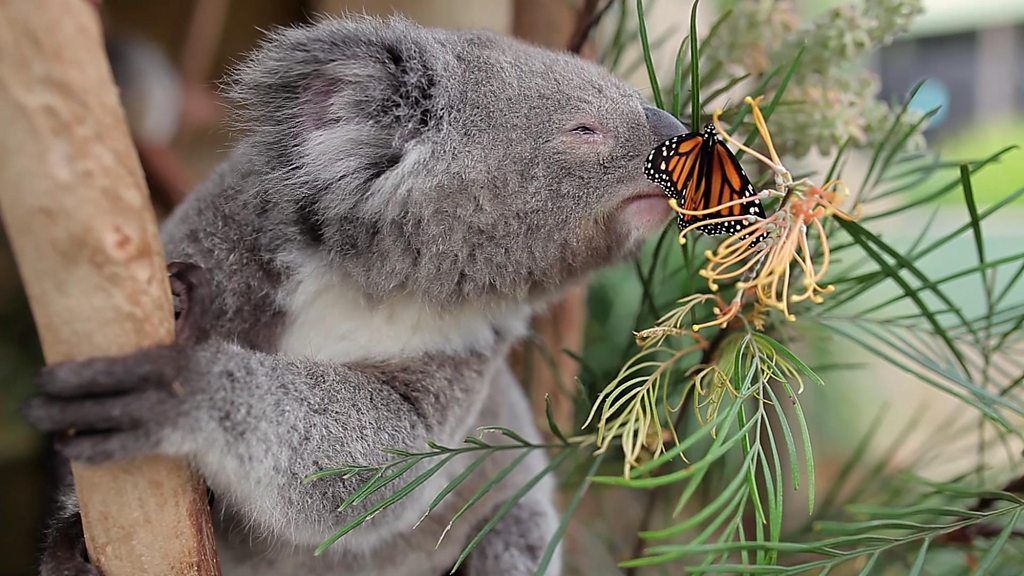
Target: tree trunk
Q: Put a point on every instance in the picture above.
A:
(76, 210)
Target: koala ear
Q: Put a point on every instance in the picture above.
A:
(338, 92)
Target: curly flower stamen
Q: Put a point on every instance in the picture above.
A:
(675, 205)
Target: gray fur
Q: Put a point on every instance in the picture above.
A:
(421, 165)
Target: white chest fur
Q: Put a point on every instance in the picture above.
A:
(329, 319)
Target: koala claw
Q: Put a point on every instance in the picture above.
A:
(109, 407)
(115, 407)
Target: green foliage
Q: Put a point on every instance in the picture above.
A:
(717, 424)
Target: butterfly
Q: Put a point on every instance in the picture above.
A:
(699, 171)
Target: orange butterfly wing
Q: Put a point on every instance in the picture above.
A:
(672, 164)
(701, 173)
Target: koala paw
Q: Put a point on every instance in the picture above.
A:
(120, 407)
(65, 551)
(109, 408)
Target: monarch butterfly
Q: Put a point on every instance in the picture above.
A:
(699, 171)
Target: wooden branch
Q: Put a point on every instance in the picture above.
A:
(76, 210)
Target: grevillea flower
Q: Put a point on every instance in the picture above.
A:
(764, 268)
(628, 407)
(772, 263)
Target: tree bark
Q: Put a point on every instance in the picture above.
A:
(76, 210)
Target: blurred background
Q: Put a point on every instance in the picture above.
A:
(168, 56)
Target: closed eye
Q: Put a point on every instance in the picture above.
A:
(584, 130)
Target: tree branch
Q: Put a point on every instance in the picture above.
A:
(84, 235)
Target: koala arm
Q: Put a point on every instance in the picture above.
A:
(255, 424)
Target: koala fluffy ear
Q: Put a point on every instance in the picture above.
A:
(345, 95)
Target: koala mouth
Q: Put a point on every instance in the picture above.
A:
(645, 196)
(646, 209)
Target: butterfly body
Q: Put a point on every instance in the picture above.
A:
(703, 176)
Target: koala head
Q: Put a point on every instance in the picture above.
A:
(455, 166)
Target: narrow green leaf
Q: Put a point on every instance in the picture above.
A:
(488, 486)
(866, 571)
(989, 560)
(805, 436)
(507, 506)
(726, 497)
(387, 502)
(876, 156)
(379, 481)
(677, 80)
(836, 168)
(570, 510)
(776, 98)
(694, 69)
(787, 434)
(551, 420)
(645, 44)
(454, 483)
(941, 191)
(785, 352)
(979, 242)
(866, 239)
(887, 356)
(922, 553)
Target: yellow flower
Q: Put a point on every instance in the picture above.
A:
(765, 267)
(628, 408)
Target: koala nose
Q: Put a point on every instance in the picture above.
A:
(663, 125)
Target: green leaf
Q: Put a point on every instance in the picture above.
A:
(776, 98)
(785, 352)
(941, 191)
(787, 434)
(885, 140)
(724, 501)
(486, 488)
(507, 506)
(922, 553)
(805, 436)
(551, 420)
(994, 550)
(694, 69)
(397, 496)
(457, 481)
(866, 571)
(866, 239)
(652, 75)
(570, 510)
(379, 481)
(979, 243)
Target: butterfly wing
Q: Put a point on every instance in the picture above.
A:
(699, 171)
(673, 163)
(723, 181)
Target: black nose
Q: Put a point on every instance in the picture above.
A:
(663, 125)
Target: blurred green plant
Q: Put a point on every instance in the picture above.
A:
(713, 421)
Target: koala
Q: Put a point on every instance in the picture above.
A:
(400, 201)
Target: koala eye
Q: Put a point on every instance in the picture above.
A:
(584, 130)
